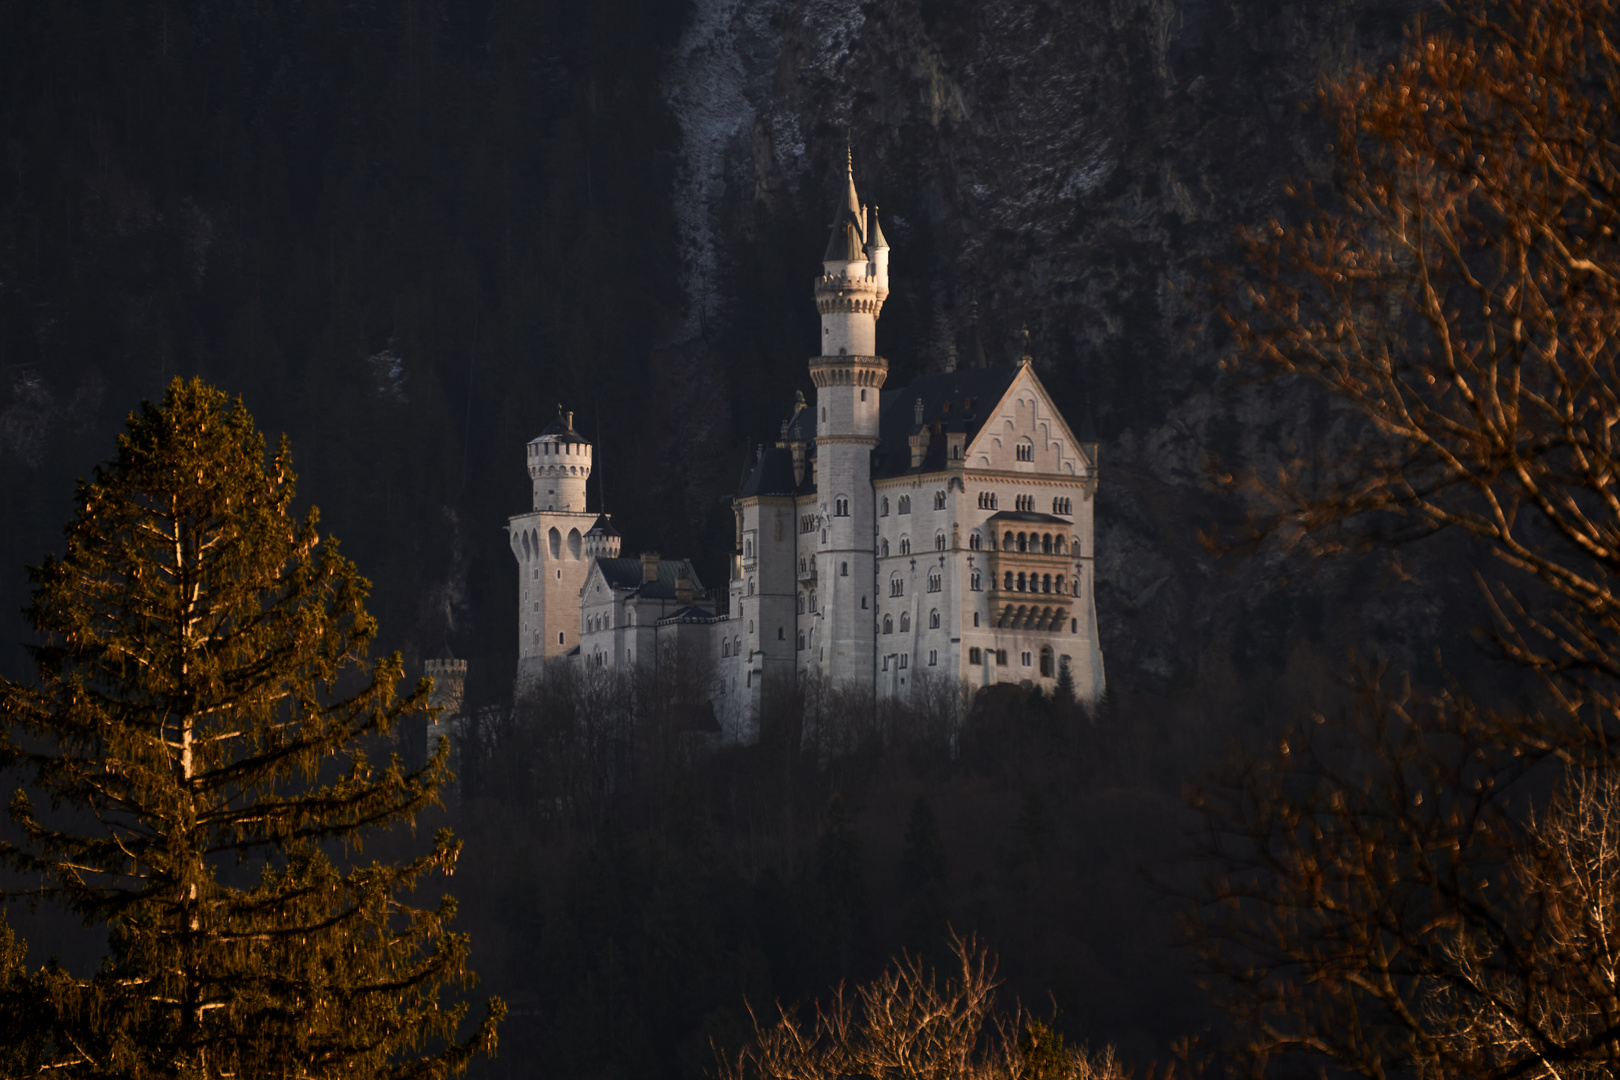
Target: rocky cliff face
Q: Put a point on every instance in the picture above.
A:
(1076, 169)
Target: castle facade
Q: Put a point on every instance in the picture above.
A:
(943, 531)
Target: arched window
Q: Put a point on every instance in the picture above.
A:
(888, 624)
(781, 633)
(748, 549)
(573, 542)
(897, 586)
(725, 647)
(975, 620)
(801, 641)
(975, 583)
(1046, 543)
(554, 540)
(843, 569)
(1021, 583)
(905, 504)
(1007, 584)
(934, 581)
(1023, 542)
(939, 541)
(750, 586)
(801, 603)
(736, 642)
(1046, 661)
(883, 507)
(974, 543)
(905, 545)
(933, 619)
(812, 599)
(841, 507)
(1046, 583)
(1058, 545)
(939, 500)
(1025, 450)
(884, 547)
(1008, 542)
(905, 622)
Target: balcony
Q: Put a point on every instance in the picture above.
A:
(807, 572)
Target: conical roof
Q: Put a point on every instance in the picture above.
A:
(874, 234)
(603, 527)
(849, 224)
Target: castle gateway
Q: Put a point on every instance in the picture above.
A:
(889, 538)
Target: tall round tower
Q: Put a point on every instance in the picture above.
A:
(848, 376)
(560, 466)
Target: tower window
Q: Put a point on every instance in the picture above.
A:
(559, 637)
(976, 584)
(883, 507)
(905, 545)
(939, 500)
(905, 504)
(933, 657)
(781, 634)
(973, 541)
(975, 656)
(905, 622)
(863, 395)
(843, 569)
(888, 624)
(933, 619)
(1001, 657)
(841, 508)
(934, 582)
(975, 618)
(939, 541)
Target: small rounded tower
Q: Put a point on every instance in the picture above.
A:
(560, 465)
(602, 542)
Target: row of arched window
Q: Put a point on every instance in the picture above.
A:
(530, 543)
(1042, 543)
(905, 622)
(1041, 583)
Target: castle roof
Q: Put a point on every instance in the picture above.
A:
(849, 227)
(603, 527)
(626, 574)
(561, 430)
(962, 397)
(772, 474)
(874, 237)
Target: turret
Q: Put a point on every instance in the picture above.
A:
(560, 465)
(854, 278)
(602, 542)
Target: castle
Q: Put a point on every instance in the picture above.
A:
(943, 531)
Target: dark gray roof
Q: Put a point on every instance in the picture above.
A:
(603, 527)
(689, 614)
(772, 474)
(844, 245)
(1029, 517)
(970, 395)
(559, 430)
(626, 574)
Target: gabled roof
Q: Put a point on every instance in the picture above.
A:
(966, 397)
(772, 474)
(626, 574)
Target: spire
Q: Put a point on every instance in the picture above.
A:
(874, 235)
(1025, 358)
(849, 220)
(979, 360)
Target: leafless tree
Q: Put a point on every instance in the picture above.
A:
(908, 1025)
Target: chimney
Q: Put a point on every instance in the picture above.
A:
(683, 585)
(569, 421)
(649, 567)
(919, 437)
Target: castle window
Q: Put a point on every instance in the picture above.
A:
(750, 627)
(812, 599)
(939, 541)
(843, 569)
(736, 642)
(1076, 590)
(939, 500)
(1008, 583)
(537, 639)
(933, 619)
(725, 647)
(750, 586)
(975, 583)
(884, 547)
(1007, 542)
(933, 657)
(841, 508)
(1024, 658)
(1057, 545)
(905, 504)
(888, 624)
(863, 395)
(974, 543)
(554, 541)
(534, 574)
(781, 633)
(1026, 451)
(934, 581)
(801, 641)
(1021, 582)
(905, 622)
(903, 658)
(905, 545)
(1062, 506)
(1023, 542)
(897, 586)
(975, 656)
(1001, 657)
(883, 507)
(1074, 626)
(748, 549)
(975, 618)
(1046, 662)
(559, 637)
(801, 603)
(537, 605)
(1046, 543)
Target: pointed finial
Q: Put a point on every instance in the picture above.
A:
(1026, 358)
(849, 151)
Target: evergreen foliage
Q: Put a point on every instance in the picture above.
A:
(202, 701)
(924, 878)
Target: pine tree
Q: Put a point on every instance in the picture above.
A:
(203, 711)
(924, 875)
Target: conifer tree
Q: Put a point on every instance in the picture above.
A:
(203, 713)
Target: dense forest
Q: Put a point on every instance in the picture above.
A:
(404, 232)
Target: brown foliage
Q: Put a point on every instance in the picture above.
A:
(1462, 296)
(906, 1025)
